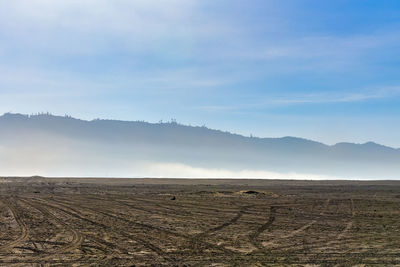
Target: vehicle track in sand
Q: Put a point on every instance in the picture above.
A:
(135, 206)
(348, 226)
(64, 208)
(350, 223)
(178, 208)
(238, 215)
(143, 226)
(77, 237)
(262, 228)
(341, 234)
(24, 230)
(148, 227)
(201, 208)
(99, 241)
(336, 240)
(297, 231)
(117, 217)
(199, 238)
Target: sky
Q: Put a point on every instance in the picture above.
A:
(321, 70)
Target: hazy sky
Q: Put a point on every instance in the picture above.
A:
(324, 70)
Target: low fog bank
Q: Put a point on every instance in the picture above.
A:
(68, 158)
(62, 146)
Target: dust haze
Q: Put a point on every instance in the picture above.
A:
(50, 145)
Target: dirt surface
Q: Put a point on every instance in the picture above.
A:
(174, 222)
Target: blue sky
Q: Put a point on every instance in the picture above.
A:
(323, 70)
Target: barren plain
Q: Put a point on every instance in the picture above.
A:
(187, 222)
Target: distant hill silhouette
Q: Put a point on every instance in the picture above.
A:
(53, 145)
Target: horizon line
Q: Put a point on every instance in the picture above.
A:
(195, 178)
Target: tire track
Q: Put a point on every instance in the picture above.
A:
(106, 245)
(262, 228)
(299, 230)
(328, 245)
(178, 210)
(164, 210)
(153, 228)
(24, 230)
(62, 206)
(199, 238)
(74, 213)
(187, 205)
(115, 216)
(77, 238)
(238, 215)
(334, 240)
(349, 224)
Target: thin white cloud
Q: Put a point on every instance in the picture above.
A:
(384, 92)
(84, 15)
(176, 29)
(328, 46)
(365, 95)
(96, 26)
(315, 53)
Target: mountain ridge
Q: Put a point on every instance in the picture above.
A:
(59, 144)
(173, 123)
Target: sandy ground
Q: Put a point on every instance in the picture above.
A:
(175, 222)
